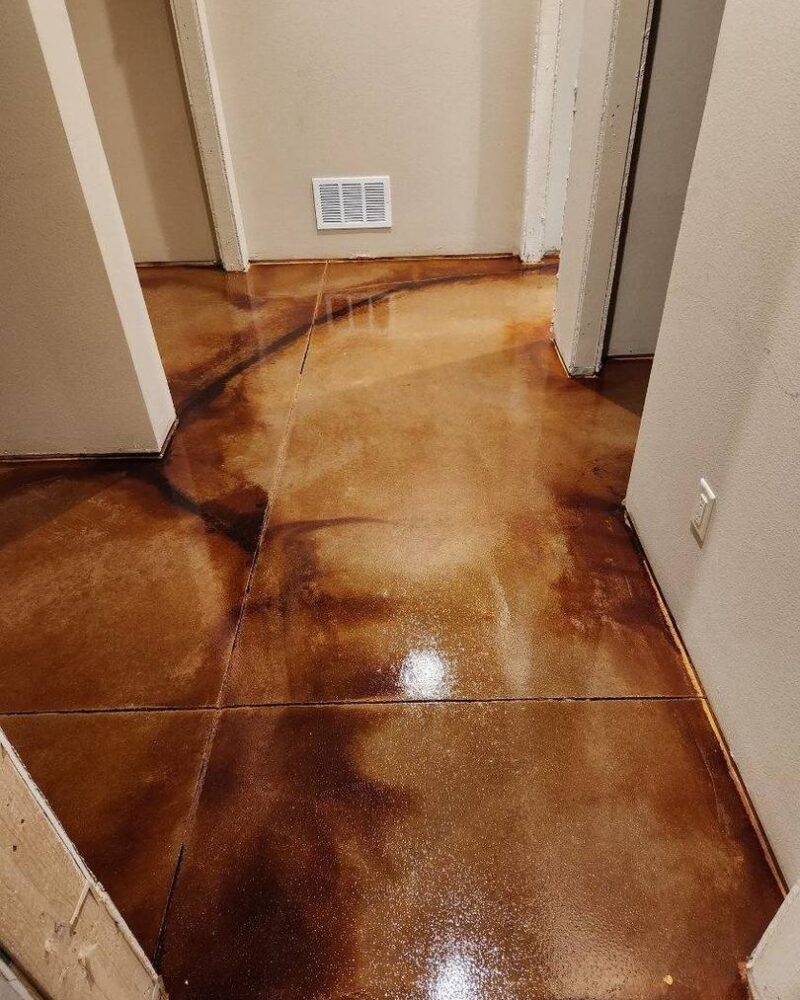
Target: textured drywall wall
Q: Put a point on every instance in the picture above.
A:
(80, 369)
(685, 36)
(132, 71)
(724, 403)
(437, 95)
(774, 970)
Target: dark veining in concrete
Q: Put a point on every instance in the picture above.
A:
(291, 934)
(446, 527)
(458, 851)
(466, 542)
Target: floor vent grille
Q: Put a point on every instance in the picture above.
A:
(352, 202)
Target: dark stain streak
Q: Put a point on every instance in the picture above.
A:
(288, 908)
(304, 527)
(243, 528)
(214, 389)
(304, 592)
(602, 572)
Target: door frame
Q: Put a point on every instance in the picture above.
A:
(613, 58)
(190, 21)
(556, 51)
(773, 970)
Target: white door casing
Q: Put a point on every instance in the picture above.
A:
(773, 971)
(612, 60)
(202, 89)
(552, 107)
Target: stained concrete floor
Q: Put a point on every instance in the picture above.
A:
(363, 691)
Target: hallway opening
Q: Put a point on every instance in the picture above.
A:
(358, 635)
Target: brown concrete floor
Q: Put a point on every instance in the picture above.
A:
(363, 692)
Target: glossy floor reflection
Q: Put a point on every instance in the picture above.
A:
(381, 584)
(449, 520)
(462, 851)
(126, 578)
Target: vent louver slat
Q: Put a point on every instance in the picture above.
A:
(330, 204)
(375, 202)
(352, 202)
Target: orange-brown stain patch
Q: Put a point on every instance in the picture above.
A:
(501, 851)
(383, 488)
(466, 503)
(283, 921)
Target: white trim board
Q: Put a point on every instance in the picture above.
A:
(557, 48)
(533, 244)
(202, 89)
(612, 61)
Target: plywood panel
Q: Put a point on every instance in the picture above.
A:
(56, 921)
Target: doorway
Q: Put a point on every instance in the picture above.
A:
(642, 81)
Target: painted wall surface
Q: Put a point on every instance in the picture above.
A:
(685, 40)
(774, 970)
(724, 403)
(132, 72)
(80, 369)
(437, 95)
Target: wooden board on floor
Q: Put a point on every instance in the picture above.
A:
(57, 923)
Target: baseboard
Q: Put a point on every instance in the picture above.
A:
(548, 261)
(177, 263)
(691, 670)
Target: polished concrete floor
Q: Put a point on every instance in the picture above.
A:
(363, 693)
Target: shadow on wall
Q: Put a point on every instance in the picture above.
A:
(500, 120)
(132, 69)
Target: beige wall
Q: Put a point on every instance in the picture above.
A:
(685, 39)
(132, 71)
(774, 970)
(435, 94)
(80, 369)
(724, 403)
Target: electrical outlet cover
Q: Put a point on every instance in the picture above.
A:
(703, 508)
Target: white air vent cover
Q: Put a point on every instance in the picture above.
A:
(352, 202)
